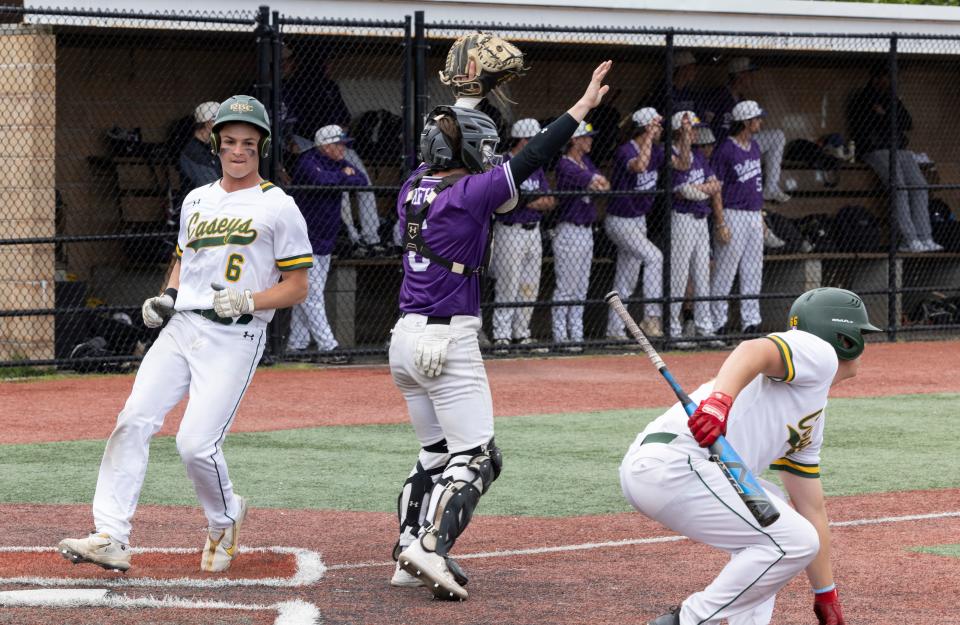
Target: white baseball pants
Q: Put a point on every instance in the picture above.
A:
(215, 363)
(572, 260)
(455, 405)
(772, 144)
(690, 259)
(366, 207)
(516, 261)
(634, 250)
(743, 255)
(690, 495)
(310, 318)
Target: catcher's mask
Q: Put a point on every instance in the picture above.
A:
(246, 109)
(478, 141)
(835, 315)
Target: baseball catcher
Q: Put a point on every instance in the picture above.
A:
(478, 64)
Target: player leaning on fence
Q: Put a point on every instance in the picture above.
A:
(446, 208)
(241, 231)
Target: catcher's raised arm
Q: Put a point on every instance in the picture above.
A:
(480, 63)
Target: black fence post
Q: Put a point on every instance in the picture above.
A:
(419, 73)
(276, 126)
(264, 36)
(892, 287)
(667, 184)
(407, 108)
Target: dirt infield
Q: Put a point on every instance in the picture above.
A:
(84, 408)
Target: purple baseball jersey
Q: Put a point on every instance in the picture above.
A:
(521, 214)
(739, 171)
(698, 173)
(320, 208)
(626, 180)
(571, 176)
(456, 228)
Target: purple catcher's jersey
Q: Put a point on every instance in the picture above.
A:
(521, 214)
(626, 180)
(739, 171)
(456, 229)
(698, 173)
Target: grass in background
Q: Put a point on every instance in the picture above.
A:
(555, 465)
(951, 551)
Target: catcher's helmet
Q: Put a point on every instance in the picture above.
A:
(247, 109)
(835, 315)
(478, 142)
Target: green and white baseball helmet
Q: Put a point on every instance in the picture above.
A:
(246, 109)
(837, 316)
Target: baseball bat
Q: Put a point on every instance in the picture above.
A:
(721, 451)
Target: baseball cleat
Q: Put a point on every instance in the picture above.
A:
(97, 549)
(402, 579)
(432, 570)
(670, 618)
(223, 544)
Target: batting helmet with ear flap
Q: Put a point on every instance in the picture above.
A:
(246, 109)
(478, 140)
(835, 315)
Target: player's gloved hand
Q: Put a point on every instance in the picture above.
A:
(709, 421)
(231, 302)
(156, 309)
(826, 605)
(431, 351)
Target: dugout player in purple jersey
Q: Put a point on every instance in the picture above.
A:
(446, 208)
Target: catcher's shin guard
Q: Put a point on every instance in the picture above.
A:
(468, 475)
(414, 498)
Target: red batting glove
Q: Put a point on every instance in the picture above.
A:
(826, 605)
(709, 421)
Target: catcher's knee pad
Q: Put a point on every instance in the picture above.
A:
(468, 475)
(414, 498)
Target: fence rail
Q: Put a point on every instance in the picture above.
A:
(103, 132)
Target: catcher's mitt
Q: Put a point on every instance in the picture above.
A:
(496, 61)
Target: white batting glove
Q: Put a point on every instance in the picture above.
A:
(231, 302)
(156, 309)
(431, 352)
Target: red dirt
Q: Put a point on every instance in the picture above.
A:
(77, 408)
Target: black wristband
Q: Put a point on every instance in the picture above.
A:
(172, 292)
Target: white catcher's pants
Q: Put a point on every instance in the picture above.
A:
(634, 249)
(690, 258)
(516, 261)
(310, 318)
(690, 495)
(216, 364)
(572, 260)
(456, 404)
(743, 255)
(366, 205)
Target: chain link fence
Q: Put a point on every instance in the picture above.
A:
(105, 122)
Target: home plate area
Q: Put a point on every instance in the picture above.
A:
(161, 588)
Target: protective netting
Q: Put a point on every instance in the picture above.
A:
(104, 131)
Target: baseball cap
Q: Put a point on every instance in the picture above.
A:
(683, 58)
(703, 135)
(206, 112)
(525, 128)
(740, 64)
(748, 109)
(331, 134)
(645, 116)
(677, 120)
(584, 130)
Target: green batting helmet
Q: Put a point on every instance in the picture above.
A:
(247, 109)
(835, 315)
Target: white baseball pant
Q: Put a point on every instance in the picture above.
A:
(772, 144)
(366, 207)
(215, 363)
(455, 405)
(516, 261)
(743, 255)
(572, 260)
(690, 258)
(310, 318)
(634, 250)
(690, 495)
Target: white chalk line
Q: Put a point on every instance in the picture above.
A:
(294, 612)
(638, 541)
(310, 569)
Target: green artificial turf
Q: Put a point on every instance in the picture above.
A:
(555, 465)
(951, 551)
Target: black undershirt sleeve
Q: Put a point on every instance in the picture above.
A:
(542, 148)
